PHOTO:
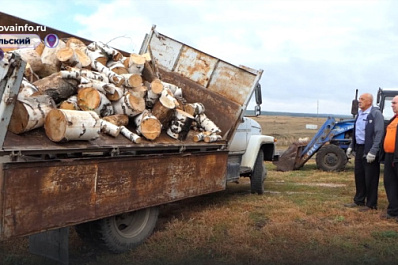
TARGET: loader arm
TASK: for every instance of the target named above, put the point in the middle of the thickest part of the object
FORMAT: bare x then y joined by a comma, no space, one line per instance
331,131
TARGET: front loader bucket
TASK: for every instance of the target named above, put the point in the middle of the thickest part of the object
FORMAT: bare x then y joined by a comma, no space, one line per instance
291,158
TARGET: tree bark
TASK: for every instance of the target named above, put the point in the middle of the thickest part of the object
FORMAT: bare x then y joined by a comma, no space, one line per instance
30,113
207,124
129,105
70,103
194,108
109,128
117,67
163,109
90,99
66,125
130,135
148,125
26,89
51,64
180,125
117,119
57,87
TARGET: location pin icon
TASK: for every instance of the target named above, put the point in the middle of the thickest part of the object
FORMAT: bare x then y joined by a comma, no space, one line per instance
51,40
1,54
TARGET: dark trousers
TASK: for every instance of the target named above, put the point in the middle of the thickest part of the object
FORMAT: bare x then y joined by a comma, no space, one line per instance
366,179
391,184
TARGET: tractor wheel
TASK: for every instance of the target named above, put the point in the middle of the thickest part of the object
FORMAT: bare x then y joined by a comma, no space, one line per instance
331,158
258,175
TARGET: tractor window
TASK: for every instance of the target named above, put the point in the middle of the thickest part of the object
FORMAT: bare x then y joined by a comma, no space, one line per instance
387,110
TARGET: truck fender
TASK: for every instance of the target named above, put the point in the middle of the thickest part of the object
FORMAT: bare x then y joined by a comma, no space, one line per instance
256,144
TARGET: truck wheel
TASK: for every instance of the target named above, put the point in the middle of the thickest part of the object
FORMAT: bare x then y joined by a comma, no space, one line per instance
258,175
331,158
123,232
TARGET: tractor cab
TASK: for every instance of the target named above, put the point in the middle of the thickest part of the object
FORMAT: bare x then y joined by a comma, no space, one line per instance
384,98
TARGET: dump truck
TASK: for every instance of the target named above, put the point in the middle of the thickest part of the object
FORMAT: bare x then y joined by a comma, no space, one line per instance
110,188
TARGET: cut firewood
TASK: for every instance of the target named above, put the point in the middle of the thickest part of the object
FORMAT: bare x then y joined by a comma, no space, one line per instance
163,108
32,57
30,113
129,105
139,91
97,55
67,56
117,119
207,124
57,87
130,135
176,91
117,67
104,48
180,125
112,92
83,58
26,89
78,74
75,44
201,136
70,103
109,128
148,125
136,63
30,75
154,91
65,125
212,138
114,78
49,59
194,108
132,80
90,99
39,48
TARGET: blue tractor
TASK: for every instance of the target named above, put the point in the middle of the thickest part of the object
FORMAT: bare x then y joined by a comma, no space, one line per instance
332,140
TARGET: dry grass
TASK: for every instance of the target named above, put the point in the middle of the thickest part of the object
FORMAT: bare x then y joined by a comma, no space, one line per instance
299,220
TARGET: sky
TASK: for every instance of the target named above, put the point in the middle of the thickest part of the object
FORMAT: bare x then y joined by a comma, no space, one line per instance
314,54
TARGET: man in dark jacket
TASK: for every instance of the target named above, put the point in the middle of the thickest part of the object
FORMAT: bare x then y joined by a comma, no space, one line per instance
366,140
390,153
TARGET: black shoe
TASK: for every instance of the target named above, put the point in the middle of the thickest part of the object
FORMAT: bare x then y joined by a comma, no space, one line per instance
366,208
352,205
385,215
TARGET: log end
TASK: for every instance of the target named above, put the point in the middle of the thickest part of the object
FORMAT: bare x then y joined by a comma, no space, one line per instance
55,125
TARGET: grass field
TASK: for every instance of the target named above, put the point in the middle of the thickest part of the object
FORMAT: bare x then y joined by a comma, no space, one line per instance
299,220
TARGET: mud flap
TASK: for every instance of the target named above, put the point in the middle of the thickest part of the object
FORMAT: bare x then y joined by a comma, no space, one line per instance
51,244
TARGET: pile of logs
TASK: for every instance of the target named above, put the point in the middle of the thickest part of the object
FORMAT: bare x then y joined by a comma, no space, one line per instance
77,92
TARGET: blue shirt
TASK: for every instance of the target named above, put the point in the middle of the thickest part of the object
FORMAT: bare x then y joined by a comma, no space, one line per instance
360,126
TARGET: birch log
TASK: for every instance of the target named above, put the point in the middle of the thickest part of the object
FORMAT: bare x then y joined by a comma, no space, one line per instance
117,67
57,87
90,99
129,105
163,109
117,119
132,80
70,103
112,92
207,124
65,125
201,136
30,113
136,63
148,125
49,59
104,48
180,125
212,138
114,78
109,128
154,91
130,135
194,108
26,89
32,57
67,56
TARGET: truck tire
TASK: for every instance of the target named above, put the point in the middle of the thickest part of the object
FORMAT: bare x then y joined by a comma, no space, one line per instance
331,158
258,175
123,232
